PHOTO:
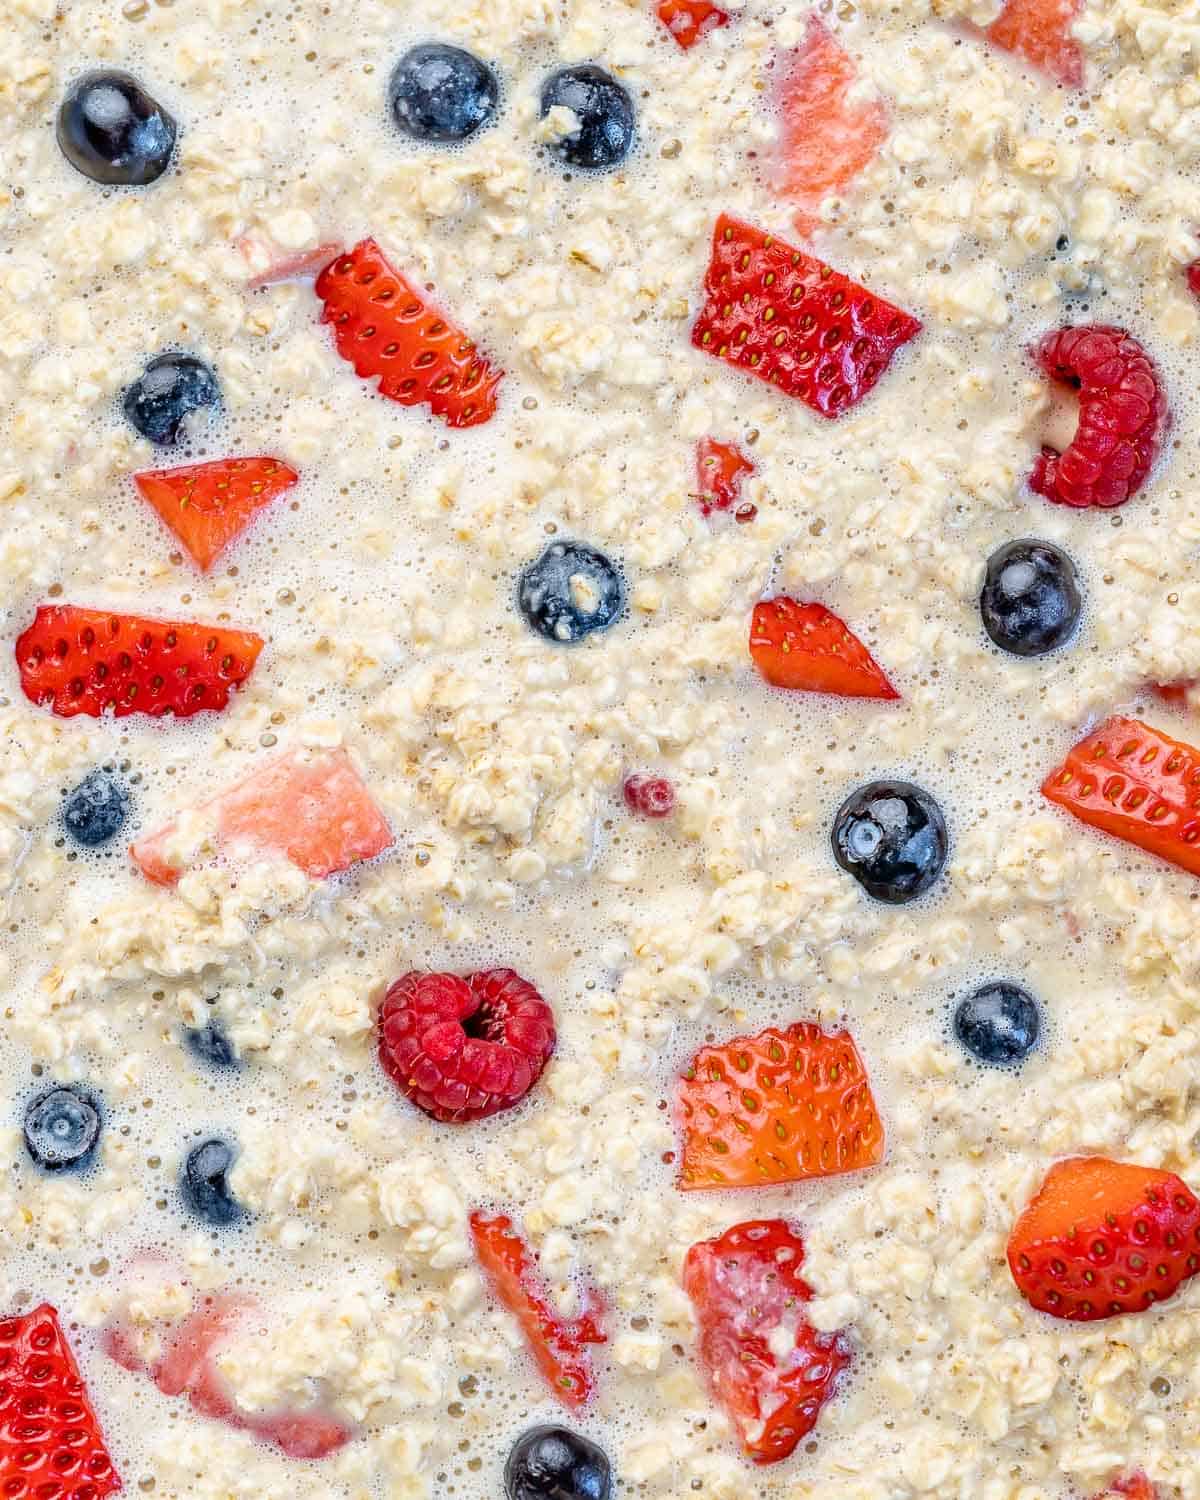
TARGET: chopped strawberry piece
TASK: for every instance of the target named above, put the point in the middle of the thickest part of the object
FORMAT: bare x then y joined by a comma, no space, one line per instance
1123,416
289,267
1040,32
388,331
1101,1238
766,1365
559,1345
208,505
827,136
50,1439
92,661
782,1106
1135,1487
689,20
1138,784
806,647
1193,277
310,807
720,468
789,319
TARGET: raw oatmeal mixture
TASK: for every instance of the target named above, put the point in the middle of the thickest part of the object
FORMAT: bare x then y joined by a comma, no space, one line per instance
240,1004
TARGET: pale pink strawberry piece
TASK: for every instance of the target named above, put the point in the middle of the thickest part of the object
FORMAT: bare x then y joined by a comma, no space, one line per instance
826,137
1040,32
311,807
286,267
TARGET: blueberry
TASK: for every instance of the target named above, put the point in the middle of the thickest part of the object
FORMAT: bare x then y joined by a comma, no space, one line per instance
95,811
891,836
171,387
1031,599
61,1128
204,1183
112,131
570,591
441,93
210,1044
604,111
999,1023
554,1463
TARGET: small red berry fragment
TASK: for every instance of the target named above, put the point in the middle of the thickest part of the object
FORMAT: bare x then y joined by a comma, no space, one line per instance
689,20
463,1048
208,505
805,646
720,468
1101,1238
91,661
50,1439
558,1344
649,796
388,331
1193,277
766,1365
828,134
1122,416
1133,1487
1040,32
789,319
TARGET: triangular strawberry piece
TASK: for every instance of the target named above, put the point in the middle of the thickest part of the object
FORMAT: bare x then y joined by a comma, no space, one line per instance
720,468
208,505
806,647
1040,32
690,20
826,136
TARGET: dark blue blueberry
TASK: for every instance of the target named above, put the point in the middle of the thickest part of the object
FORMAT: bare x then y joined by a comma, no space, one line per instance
1031,600
570,591
61,1128
441,93
204,1183
95,811
999,1023
112,131
210,1044
891,836
604,111
554,1463
171,387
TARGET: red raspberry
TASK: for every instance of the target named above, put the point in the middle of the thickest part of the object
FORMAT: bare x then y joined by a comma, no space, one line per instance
465,1048
1122,417
649,796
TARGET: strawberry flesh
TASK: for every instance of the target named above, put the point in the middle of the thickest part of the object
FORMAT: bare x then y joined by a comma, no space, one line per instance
50,1440
720,468
388,331
559,1345
787,318
1123,417
208,505
827,137
766,1366
1040,32
782,1106
1102,1238
92,661
690,20
1137,783
804,646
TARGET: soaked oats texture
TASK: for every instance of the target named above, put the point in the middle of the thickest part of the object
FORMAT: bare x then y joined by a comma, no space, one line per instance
997,207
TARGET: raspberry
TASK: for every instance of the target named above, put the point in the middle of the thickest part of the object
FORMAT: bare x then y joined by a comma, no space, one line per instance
649,796
1122,417
463,1048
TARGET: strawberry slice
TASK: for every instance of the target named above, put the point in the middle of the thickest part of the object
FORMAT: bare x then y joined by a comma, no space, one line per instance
791,320
827,136
50,1438
1040,32
720,468
766,1365
1134,1487
310,806
208,505
689,20
782,1106
92,661
1193,277
805,646
559,1345
387,330
1101,1238
1138,784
